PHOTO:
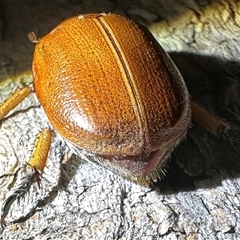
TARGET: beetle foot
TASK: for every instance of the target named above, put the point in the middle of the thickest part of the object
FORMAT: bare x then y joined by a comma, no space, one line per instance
19,192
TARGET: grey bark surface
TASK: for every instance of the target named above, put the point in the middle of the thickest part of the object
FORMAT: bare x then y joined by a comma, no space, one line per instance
199,198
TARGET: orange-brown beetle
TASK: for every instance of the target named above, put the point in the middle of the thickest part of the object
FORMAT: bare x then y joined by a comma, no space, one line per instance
111,91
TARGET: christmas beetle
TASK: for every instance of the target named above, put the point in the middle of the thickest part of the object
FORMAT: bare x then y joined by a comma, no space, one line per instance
111,92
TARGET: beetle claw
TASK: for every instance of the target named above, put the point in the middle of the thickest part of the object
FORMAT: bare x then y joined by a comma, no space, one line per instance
5,208
3,222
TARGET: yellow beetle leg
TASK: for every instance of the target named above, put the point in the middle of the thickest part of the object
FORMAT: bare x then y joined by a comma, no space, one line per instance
40,154
37,164
12,101
208,120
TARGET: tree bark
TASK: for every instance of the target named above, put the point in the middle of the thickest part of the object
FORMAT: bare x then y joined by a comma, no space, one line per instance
199,198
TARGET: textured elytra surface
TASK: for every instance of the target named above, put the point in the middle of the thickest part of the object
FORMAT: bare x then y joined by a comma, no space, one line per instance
200,199
112,91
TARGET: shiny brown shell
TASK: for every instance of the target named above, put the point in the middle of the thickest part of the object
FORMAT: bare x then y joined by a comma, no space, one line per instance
109,88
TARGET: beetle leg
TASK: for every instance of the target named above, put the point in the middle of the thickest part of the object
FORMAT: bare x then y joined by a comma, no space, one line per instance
207,119
12,101
39,157
36,165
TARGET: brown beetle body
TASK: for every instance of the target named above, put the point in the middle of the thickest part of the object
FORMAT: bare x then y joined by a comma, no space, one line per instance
109,89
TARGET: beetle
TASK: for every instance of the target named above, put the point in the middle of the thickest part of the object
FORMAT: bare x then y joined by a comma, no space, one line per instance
111,92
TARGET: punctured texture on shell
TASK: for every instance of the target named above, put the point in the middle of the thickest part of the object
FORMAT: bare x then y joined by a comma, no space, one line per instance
108,87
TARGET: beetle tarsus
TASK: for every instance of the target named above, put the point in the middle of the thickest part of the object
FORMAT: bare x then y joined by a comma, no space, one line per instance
18,193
